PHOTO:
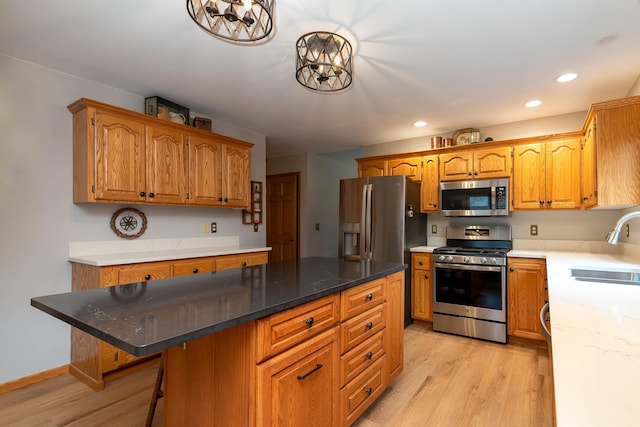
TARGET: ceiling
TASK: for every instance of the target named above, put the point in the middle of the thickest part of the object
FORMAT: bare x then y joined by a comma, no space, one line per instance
453,63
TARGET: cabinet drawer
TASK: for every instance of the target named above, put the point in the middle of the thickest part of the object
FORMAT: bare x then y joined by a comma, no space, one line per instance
356,396
283,330
195,266
362,298
143,273
421,261
363,326
362,356
241,260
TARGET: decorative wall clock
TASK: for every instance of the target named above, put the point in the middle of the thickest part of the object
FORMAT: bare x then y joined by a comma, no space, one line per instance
128,223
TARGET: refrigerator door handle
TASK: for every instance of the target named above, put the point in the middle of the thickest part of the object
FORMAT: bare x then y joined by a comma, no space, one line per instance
369,223
363,223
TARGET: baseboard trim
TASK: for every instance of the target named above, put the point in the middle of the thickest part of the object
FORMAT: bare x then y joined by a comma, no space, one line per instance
33,379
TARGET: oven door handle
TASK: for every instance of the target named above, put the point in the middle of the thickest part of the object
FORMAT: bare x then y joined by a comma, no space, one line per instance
473,267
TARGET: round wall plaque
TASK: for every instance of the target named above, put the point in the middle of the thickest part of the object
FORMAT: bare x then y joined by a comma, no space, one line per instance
128,223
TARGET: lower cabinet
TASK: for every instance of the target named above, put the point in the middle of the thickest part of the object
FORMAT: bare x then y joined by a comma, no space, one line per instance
319,364
421,288
92,359
526,282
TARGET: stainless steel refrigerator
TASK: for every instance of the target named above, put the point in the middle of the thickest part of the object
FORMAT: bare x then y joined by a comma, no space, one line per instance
380,220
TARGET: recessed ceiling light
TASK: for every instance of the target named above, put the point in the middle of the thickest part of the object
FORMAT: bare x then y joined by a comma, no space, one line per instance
533,103
566,77
420,124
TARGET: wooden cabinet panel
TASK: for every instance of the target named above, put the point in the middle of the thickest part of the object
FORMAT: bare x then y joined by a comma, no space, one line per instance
225,262
149,271
236,181
526,296
409,166
299,387
356,396
421,287
361,327
119,158
394,326
362,298
166,165
528,176
477,164
430,184
205,171
376,167
192,266
456,166
360,357
284,330
588,171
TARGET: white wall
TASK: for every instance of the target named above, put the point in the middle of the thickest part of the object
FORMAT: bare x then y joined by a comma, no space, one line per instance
38,218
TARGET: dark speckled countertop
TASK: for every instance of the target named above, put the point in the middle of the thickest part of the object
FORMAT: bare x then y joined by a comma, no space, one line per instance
144,318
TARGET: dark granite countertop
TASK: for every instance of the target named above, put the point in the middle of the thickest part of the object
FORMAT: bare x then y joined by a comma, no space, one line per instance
147,317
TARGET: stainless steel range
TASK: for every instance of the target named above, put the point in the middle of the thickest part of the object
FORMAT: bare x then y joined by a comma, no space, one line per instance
470,282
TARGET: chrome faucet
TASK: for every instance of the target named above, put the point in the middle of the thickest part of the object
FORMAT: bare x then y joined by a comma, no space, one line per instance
612,236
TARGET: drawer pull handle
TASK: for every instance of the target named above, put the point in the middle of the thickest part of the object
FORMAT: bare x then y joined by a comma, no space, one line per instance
301,377
244,263
309,321
370,325
420,263
369,297
195,271
368,390
147,277
369,355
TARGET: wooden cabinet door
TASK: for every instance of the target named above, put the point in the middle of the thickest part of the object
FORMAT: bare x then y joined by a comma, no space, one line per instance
120,158
528,187
492,163
562,171
589,185
430,185
456,166
166,165
300,387
367,168
205,171
236,172
421,289
526,292
394,341
409,166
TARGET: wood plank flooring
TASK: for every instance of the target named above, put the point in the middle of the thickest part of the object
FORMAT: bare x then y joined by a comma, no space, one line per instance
447,381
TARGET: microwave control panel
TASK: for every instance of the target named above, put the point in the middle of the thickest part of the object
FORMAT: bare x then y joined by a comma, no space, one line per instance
501,197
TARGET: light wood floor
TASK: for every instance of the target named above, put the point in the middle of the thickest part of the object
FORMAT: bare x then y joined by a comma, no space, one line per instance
447,381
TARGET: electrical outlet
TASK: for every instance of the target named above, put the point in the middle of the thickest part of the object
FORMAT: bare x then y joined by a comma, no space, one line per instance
434,229
317,226
533,229
255,228
214,227
627,230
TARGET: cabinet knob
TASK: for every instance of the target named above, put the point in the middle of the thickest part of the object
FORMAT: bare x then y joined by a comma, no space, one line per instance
512,269
195,270
469,173
309,321
475,172
370,325
151,194
142,194
147,276
369,390
549,202
542,202
420,263
244,263
369,355
584,199
226,199
435,205
369,297
219,199
426,276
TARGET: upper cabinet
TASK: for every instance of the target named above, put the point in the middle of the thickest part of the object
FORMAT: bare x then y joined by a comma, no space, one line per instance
430,185
120,156
391,166
547,175
611,154
485,163
372,167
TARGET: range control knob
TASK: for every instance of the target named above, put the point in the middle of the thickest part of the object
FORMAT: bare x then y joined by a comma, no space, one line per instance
484,260
450,258
467,259
494,261
441,258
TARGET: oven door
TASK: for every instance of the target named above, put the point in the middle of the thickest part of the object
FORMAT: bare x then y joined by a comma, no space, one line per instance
476,291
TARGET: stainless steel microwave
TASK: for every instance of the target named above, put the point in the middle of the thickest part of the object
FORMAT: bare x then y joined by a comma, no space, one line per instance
475,198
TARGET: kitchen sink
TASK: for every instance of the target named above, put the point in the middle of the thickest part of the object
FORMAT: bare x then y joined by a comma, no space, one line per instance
623,277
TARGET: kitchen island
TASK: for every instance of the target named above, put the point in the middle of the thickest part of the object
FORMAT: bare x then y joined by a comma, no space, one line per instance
318,338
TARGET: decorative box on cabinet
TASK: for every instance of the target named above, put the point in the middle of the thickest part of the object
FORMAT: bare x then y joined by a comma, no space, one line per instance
120,156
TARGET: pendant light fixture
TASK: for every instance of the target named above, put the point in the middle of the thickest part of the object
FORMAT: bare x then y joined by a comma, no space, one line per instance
234,20
324,61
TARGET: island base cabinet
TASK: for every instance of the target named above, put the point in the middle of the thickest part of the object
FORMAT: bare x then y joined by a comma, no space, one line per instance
210,381
299,387
362,391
